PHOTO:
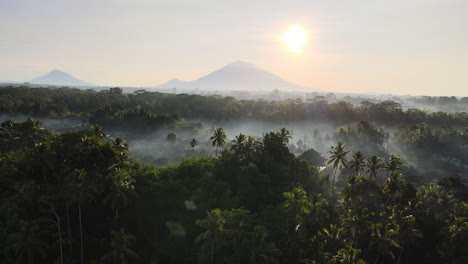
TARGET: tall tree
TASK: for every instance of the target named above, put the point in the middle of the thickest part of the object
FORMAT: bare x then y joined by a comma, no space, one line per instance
122,252
297,205
372,166
56,221
354,189
27,243
119,190
382,240
262,251
213,225
393,164
237,227
238,145
357,162
404,224
337,158
285,135
81,194
193,143
218,138
251,147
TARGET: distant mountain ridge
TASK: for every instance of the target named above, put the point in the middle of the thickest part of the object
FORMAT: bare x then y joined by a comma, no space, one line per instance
238,75
57,77
174,83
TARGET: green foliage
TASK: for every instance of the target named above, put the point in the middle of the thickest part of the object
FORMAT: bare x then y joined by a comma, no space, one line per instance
121,245
338,158
349,255
218,139
79,197
357,162
367,136
296,205
60,102
138,119
372,166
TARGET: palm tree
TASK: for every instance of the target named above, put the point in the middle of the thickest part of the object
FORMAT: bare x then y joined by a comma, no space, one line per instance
372,166
251,146
193,143
237,225
404,224
81,194
218,138
261,251
393,164
357,162
319,210
394,187
297,204
354,189
119,191
337,158
285,135
356,219
56,221
121,245
213,223
238,145
27,242
382,240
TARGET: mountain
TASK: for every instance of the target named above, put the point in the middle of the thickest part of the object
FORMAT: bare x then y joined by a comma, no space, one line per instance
57,77
174,83
238,75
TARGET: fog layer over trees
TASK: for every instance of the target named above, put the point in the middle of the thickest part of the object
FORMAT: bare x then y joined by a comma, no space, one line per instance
432,143
147,177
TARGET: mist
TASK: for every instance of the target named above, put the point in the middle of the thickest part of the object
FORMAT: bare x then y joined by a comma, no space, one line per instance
154,148
315,121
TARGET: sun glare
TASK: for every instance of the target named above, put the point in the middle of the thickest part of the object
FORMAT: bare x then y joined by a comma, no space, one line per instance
295,38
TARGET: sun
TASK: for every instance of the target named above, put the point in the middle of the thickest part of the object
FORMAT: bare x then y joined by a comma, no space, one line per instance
295,38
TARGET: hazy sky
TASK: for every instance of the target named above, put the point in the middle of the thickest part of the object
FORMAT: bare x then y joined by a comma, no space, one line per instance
388,46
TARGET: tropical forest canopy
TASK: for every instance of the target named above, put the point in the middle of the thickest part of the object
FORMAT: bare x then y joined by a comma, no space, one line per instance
109,177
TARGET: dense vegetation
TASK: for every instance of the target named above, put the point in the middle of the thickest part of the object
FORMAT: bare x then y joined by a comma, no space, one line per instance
77,197
432,144
392,188
61,102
